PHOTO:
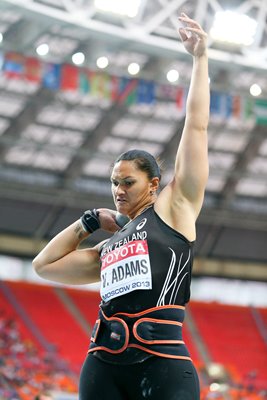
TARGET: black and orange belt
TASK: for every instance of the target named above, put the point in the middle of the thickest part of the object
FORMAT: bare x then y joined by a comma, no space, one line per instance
157,331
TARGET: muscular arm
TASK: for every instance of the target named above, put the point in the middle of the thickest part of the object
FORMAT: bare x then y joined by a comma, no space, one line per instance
62,261
180,201
191,164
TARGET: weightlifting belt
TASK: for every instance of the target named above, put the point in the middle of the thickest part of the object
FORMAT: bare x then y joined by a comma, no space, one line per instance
157,331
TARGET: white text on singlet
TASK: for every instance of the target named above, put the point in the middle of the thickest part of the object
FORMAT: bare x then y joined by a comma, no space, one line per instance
125,269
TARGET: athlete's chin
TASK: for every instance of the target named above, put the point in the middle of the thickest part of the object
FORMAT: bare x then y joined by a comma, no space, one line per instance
122,207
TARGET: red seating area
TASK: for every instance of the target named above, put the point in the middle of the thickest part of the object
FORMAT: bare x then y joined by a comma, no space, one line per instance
87,302
263,314
55,322
27,369
8,312
233,339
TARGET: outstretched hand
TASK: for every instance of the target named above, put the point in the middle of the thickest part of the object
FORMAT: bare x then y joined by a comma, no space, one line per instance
193,36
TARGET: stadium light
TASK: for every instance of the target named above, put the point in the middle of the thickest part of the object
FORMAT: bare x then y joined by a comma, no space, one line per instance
120,7
133,68
102,62
172,75
255,90
234,28
78,58
42,49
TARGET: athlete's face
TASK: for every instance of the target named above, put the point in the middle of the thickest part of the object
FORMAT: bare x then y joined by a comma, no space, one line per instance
131,188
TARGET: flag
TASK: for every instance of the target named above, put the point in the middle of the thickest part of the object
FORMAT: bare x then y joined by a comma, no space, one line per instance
180,98
51,76
260,110
102,87
236,106
233,106
114,85
248,108
216,102
14,65
145,92
69,77
95,84
33,70
107,86
84,81
166,91
127,91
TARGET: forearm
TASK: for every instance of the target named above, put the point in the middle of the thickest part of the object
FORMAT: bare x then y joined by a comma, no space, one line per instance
62,244
191,165
198,99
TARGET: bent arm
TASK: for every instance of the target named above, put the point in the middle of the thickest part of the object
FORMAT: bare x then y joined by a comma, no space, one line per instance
61,260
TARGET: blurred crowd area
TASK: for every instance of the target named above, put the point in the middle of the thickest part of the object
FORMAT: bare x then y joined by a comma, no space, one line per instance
26,371
237,393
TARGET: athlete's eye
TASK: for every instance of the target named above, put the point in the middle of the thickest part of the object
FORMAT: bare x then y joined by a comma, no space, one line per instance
128,183
123,183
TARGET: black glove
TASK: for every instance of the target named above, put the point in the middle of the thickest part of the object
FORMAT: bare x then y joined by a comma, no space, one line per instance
90,221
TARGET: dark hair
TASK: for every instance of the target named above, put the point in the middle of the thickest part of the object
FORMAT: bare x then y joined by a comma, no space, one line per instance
144,161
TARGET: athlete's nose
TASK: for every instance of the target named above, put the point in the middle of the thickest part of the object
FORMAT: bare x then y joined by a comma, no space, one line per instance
120,189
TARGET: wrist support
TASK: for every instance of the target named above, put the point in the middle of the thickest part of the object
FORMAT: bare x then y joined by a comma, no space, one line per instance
90,221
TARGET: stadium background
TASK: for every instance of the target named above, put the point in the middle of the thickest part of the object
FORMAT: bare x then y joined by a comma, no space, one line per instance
61,126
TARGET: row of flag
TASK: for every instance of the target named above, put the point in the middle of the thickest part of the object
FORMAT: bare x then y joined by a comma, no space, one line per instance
69,77
123,89
238,107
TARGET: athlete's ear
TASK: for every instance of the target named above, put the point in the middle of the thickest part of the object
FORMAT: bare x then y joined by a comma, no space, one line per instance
154,184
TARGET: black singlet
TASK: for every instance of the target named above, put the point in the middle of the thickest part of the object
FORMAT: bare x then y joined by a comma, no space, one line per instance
146,264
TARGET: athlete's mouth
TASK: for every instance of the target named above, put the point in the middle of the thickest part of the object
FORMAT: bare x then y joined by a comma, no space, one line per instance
120,200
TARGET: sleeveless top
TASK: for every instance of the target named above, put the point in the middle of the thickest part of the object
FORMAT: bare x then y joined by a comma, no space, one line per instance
146,264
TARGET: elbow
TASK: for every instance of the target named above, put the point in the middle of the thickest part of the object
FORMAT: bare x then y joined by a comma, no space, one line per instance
38,267
203,122
197,122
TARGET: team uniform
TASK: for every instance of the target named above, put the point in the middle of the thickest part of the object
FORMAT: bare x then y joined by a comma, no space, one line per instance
145,283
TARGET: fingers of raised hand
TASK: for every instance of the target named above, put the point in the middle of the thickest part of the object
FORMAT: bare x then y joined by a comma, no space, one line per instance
183,34
184,18
190,24
198,31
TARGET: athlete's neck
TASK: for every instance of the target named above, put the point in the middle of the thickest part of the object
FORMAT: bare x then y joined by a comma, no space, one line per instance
141,210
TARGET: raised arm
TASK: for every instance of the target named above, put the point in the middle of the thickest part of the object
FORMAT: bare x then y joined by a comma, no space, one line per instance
180,201
191,164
